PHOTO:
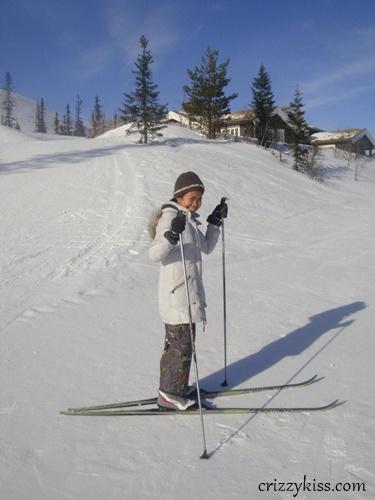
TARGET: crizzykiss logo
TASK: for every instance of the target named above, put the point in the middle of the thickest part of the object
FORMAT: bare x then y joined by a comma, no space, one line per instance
309,485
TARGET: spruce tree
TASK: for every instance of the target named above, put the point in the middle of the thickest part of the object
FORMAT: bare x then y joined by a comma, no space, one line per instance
57,127
141,108
79,128
37,117
206,102
66,127
263,103
296,115
9,102
40,123
43,127
97,118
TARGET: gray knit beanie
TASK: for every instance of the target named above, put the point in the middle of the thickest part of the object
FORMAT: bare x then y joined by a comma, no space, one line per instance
186,182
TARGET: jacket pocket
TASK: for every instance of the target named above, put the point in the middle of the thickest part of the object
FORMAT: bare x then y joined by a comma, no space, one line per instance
179,285
177,296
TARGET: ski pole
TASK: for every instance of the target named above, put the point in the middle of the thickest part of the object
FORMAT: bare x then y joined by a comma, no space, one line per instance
194,353
225,382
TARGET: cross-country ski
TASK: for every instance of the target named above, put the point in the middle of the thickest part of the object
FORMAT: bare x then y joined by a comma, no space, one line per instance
205,410
204,394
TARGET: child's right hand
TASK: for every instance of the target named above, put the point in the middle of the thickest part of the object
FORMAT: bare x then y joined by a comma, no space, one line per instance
177,227
178,224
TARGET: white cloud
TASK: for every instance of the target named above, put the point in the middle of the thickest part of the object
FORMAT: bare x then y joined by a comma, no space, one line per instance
338,95
93,61
127,21
362,67
350,80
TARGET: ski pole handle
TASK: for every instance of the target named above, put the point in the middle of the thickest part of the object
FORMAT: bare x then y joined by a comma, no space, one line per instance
223,207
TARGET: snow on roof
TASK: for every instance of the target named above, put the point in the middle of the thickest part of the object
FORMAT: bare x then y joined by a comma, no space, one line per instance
178,116
344,135
282,111
236,117
243,113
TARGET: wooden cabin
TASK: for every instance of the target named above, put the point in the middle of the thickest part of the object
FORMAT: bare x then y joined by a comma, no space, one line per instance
354,140
243,124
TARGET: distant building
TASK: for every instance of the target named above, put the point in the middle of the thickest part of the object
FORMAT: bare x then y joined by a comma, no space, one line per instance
283,129
179,117
240,124
243,124
355,140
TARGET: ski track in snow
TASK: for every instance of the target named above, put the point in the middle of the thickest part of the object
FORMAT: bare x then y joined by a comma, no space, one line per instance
115,182
79,321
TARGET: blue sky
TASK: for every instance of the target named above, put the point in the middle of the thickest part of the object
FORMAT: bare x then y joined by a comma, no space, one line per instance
56,49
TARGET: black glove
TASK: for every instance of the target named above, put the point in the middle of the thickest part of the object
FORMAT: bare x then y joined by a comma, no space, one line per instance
177,227
220,212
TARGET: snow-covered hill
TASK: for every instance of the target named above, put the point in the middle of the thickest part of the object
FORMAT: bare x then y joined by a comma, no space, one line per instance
79,321
25,112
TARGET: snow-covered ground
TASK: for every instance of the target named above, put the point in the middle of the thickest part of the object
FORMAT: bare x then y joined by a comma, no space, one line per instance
79,321
25,112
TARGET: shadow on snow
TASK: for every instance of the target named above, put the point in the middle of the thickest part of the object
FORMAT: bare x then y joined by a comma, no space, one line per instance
72,157
292,344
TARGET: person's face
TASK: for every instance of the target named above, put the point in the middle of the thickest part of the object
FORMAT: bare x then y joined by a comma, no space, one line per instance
192,200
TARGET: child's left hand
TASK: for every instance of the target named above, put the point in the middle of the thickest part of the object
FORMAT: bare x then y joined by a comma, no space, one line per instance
220,212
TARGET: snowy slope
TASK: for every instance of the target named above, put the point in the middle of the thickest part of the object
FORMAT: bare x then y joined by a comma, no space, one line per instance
25,110
79,321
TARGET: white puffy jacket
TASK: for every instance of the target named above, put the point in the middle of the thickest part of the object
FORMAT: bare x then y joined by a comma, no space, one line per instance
172,295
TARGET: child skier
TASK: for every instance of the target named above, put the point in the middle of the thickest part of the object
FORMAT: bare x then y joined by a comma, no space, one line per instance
176,217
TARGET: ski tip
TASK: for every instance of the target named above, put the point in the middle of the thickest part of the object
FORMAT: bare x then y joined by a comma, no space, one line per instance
314,379
336,403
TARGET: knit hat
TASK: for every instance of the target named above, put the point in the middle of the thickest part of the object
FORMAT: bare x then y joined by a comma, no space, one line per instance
186,182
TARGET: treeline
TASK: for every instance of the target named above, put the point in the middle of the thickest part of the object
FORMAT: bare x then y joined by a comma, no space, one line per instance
206,104
66,124
8,104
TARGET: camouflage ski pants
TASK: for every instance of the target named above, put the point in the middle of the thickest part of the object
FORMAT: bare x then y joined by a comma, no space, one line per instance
176,359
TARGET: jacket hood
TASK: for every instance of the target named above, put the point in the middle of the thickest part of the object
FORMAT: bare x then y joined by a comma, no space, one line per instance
156,214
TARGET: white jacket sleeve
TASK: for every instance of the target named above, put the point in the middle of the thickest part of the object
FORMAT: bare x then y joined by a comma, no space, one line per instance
161,247
208,241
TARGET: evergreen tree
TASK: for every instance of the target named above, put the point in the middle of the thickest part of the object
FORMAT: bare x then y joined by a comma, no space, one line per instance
79,128
63,126
43,127
9,102
263,104
57,126
37,117
296,115
40,123
141,107
66,127
206,102
97,118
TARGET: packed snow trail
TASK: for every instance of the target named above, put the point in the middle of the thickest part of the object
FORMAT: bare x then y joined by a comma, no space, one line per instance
79,319
92,189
